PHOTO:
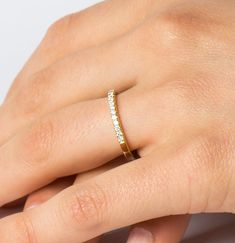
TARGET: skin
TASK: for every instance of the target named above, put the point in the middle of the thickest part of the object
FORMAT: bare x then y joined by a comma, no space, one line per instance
174,60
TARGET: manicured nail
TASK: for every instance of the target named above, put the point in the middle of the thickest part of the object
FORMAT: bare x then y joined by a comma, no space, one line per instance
140,235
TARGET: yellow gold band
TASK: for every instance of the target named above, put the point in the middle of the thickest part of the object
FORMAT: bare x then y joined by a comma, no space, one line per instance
112,101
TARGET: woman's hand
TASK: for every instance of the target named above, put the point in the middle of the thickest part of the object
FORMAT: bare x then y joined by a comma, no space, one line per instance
48,53
173,63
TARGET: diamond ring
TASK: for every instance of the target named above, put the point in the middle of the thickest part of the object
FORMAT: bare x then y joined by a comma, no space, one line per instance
112,101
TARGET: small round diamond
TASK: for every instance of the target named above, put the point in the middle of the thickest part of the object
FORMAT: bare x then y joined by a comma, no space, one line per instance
114,117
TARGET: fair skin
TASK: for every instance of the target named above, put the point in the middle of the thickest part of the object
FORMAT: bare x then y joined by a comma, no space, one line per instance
172,63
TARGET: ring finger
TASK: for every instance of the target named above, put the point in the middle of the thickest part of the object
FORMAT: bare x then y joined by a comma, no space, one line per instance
65,143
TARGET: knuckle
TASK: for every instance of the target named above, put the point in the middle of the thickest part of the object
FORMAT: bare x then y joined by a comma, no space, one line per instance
185,23
179,21
33,96
87,207
37,143
57,30
28,230
23,230
177,29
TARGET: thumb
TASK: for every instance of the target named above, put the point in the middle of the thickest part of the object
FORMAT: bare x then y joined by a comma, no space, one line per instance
163,230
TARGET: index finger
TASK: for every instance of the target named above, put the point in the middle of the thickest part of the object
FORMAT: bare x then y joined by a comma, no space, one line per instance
135,192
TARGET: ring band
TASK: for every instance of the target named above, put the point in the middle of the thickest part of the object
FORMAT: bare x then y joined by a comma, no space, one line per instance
112,101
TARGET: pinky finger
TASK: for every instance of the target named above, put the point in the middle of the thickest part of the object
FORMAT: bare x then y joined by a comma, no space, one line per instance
163,230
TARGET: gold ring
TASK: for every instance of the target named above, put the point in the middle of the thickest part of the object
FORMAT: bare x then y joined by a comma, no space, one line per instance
112,101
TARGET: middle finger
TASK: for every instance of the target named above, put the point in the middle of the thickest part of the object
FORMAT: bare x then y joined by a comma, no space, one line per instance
90,27
82,76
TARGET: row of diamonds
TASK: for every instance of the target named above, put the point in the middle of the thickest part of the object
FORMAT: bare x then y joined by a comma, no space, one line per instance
113,111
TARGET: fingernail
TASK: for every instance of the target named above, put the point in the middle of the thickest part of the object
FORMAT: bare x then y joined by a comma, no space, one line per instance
140,235
31,207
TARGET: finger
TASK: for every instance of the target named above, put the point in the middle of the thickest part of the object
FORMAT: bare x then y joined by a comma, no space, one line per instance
163,230
36,156
100,170
90,27
86,72
44,194
151,187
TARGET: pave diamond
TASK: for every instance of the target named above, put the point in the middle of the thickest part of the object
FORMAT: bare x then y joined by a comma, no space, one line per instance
112,102
117,129
115,122
115,118
113,112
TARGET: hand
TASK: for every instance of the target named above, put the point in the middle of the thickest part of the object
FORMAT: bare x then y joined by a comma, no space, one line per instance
147,63
41,59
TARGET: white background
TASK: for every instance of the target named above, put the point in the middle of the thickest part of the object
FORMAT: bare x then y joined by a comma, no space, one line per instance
22,25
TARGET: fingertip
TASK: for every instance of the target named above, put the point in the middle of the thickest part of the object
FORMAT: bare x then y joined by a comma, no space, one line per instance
44,194
36,199
31,206
163,230
140,235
